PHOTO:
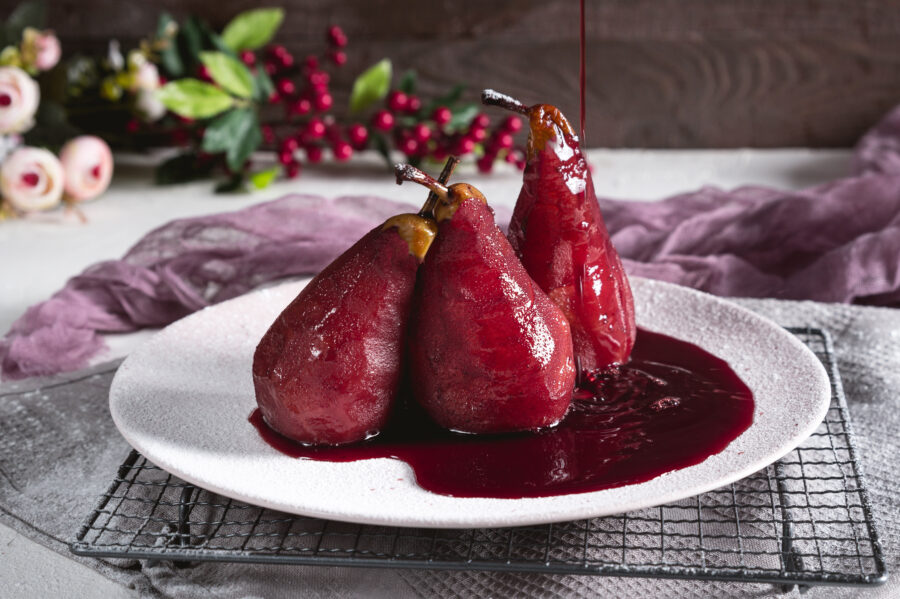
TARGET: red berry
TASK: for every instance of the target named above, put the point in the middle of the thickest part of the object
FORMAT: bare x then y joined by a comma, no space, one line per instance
270,67
132,126
248,58
512,157
289,145
277,50
439,153
477,134
285,157
465,145
311,63
203,73
383,120
503,141
323,101
301,107
180,137
409,146
441,115
286,60
315,129
339,57
274,98
397,101
481,121
342,151
520,164
336,36
31,179
512,124
319,78
313,154
485,163
292,169
422,132
414,104
286,87
358,135
268,134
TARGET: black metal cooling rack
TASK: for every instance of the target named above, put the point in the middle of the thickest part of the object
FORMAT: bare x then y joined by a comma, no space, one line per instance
804,520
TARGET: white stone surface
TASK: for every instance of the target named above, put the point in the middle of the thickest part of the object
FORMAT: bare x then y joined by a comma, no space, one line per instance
38,254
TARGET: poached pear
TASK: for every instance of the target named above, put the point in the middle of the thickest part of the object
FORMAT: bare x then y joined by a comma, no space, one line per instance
558,233
489,352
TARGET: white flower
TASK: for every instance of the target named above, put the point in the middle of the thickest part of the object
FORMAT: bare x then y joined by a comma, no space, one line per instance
31,179
148,106
114,56
88,166
19,99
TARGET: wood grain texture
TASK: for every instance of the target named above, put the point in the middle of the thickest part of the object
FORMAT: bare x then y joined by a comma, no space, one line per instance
661,73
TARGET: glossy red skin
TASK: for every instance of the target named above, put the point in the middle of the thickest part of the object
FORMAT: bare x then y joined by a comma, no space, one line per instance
328,369
558,233
489,351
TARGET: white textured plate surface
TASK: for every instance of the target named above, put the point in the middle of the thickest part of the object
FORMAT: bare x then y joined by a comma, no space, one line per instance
183,399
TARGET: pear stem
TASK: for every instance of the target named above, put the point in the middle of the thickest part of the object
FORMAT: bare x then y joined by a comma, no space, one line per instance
406,172
427,210
495,98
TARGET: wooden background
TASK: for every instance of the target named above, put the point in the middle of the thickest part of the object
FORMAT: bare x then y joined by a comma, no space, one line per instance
662,73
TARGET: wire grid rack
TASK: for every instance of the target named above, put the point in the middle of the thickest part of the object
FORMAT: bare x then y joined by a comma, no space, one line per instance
804,520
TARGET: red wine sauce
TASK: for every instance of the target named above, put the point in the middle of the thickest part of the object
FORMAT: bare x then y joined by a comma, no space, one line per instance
671,406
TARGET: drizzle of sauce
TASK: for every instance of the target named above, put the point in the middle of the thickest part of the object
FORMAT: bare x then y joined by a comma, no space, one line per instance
582,72
671,406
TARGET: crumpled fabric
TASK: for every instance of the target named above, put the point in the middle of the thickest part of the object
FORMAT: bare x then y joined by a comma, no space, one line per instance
836,242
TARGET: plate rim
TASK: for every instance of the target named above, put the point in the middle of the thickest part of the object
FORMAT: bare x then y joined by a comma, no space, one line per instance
588,509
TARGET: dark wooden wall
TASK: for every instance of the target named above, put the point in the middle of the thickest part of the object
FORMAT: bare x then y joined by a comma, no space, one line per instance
662,73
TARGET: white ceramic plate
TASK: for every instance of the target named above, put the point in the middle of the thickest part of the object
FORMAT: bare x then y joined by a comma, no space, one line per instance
183,399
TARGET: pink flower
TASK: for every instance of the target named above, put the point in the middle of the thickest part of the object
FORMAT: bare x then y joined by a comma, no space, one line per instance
19,99
88,166
31,179
40,49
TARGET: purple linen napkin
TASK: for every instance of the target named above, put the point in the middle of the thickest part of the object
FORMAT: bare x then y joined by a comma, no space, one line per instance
837,242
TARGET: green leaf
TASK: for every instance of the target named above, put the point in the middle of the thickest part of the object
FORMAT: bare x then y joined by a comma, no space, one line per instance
381,146
252,29
236,133
263,179
262,85
449,99
234,184
462,116
182,168
408,82
190,43
194,99
371,86
169,57
27,14
229,73
214,40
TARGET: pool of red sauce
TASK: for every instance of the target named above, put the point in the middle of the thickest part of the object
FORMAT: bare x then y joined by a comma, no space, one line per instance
671,406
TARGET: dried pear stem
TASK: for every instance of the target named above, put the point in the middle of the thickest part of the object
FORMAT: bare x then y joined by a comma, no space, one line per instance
427,210
406,172
495,98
